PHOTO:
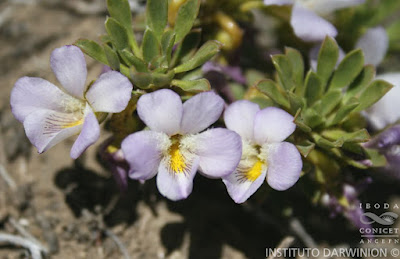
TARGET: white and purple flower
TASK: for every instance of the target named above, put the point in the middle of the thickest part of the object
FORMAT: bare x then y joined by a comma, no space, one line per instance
265,153
173,149
51,114
306,19
386,111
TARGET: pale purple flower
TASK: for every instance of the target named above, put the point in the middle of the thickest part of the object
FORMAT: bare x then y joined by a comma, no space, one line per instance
51,114
306,19
173,150
374,43
265,153
387,110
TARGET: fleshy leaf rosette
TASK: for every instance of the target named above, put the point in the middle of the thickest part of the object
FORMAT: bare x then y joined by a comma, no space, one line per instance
51,114
173,149
168,50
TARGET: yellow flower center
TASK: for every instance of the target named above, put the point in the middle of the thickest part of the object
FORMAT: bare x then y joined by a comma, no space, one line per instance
177,160
72,124
255,171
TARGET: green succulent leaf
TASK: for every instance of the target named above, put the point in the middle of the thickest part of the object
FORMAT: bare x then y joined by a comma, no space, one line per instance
325,143
344,111
92,49
185,19
313,88
105,39
328,102
296,102
377,159
312,118
305,147
157,16
112,57
373,93
167,44
193,86
359,136
284,68
362,81
354,150
348,69
271,89
120,11
150,46
204,54
327,59
298,120
132,60
262,101
118,33
297,64
187,48
149,80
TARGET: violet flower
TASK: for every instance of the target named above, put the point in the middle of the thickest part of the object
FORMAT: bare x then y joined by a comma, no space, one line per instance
306,19
173,150
351,210
388,144
115,160
265,154
218,76
51,114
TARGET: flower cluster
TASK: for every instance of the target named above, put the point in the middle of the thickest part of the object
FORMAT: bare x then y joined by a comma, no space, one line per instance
185,100
177,143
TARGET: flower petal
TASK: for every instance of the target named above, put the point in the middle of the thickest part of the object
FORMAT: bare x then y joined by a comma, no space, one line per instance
31,94
46,128
219,151
110,93
239,117
308,26
176,186
161,111
239,189
278,2
284,165
374,43
387,110
273,125
89,135
69,66
329,6
143,152
201,111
